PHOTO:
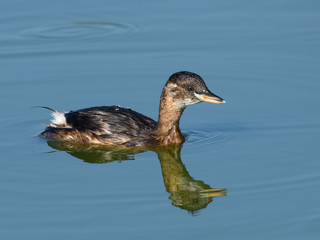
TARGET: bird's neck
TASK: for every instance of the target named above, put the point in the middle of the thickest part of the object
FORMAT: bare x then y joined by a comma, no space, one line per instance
168,131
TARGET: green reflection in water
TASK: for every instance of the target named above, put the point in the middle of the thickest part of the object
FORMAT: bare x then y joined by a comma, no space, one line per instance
186,192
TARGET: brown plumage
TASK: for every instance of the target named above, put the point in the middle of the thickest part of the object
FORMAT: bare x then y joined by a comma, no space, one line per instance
114,125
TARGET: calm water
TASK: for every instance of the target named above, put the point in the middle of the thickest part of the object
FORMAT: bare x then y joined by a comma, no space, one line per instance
262,146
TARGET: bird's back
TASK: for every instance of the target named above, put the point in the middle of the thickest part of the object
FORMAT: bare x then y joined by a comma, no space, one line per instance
106,124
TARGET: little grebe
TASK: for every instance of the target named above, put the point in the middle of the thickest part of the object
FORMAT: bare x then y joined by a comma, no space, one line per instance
123,126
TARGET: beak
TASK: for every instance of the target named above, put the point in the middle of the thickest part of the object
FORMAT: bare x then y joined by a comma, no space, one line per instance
209,97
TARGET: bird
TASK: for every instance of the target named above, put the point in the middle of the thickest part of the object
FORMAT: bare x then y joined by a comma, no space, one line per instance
119,126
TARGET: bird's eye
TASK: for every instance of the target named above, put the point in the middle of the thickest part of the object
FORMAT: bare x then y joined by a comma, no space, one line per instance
190,88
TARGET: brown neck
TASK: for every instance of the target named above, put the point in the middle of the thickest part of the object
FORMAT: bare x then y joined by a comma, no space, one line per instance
168,131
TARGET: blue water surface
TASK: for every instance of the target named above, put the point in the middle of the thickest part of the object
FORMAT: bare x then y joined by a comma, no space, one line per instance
262,146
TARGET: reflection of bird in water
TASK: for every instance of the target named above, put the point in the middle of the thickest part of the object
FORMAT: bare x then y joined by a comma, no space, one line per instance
95,153
186,192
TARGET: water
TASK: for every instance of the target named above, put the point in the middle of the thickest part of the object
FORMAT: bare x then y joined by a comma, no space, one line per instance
262,146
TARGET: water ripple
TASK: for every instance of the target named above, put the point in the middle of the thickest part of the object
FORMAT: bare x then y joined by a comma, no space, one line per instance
196,137
80,31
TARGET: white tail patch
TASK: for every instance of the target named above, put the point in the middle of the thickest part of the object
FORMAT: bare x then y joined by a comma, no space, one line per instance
58,119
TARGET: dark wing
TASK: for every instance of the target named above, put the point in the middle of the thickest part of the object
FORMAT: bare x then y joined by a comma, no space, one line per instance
111,121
